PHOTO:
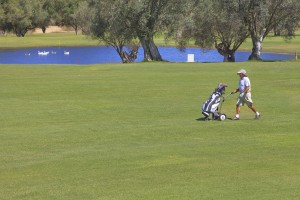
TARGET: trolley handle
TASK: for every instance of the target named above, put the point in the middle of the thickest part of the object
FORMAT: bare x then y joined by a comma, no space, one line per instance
226,96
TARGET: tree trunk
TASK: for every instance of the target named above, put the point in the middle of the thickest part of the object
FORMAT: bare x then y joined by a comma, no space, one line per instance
256,50
20,32
230,57
76,29
257,46
151,52
129,57
226,52
44,29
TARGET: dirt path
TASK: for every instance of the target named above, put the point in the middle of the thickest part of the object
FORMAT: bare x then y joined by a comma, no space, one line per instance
53,29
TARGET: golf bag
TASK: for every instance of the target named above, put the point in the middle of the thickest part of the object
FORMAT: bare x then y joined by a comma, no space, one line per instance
210,106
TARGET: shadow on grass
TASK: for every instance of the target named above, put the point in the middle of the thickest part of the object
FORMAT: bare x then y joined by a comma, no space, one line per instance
204,119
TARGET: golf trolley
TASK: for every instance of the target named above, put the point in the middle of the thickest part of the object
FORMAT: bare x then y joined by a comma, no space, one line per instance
214,104
218,115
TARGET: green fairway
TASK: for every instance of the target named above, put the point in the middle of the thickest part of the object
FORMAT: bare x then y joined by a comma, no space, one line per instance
130,131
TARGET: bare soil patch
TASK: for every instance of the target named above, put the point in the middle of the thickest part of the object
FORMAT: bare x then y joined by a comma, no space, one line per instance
54,29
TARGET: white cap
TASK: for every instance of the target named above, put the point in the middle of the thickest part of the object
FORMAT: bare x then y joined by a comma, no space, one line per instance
242,71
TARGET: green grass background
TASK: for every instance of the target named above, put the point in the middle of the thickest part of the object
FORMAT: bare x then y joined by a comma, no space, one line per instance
116,131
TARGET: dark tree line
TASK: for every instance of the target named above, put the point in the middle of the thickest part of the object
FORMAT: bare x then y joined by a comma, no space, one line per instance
20,16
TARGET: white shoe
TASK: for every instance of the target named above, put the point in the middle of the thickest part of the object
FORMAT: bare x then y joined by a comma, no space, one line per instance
257,116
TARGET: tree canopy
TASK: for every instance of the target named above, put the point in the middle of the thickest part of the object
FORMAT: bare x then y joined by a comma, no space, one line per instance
216,24
111,25
263,16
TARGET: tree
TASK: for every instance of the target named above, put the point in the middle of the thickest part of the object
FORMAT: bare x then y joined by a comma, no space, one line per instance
140,19
112,27
19,15
84,17
40,16
263,16
2,17
54,10
63,12
148,17
5,26
221,24
216,24
287,27
22,16
69,14
143,18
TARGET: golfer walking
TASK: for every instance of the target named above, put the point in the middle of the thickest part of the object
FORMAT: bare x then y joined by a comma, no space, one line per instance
245,95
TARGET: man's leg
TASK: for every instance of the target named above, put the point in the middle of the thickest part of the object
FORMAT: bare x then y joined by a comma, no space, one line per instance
237,112
252,108
257,114
249,102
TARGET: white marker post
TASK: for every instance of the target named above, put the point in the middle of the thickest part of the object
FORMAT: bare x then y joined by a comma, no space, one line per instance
190,58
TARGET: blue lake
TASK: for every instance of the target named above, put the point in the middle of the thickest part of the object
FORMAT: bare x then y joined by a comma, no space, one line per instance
103,54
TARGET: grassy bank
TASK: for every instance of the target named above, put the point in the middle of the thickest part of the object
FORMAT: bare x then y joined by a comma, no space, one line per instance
46,40
271,44
117,131
276,44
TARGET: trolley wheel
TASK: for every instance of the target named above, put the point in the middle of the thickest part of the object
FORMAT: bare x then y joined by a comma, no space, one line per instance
222,117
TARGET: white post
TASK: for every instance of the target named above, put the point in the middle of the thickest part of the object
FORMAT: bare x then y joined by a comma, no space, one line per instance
190,58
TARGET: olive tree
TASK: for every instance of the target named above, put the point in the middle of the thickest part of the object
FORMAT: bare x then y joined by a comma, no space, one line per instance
54,10
2,18
69,13
107,21
120,22
149,17
143,18
40,16
84,17
5,22
263,16
20,16
217,24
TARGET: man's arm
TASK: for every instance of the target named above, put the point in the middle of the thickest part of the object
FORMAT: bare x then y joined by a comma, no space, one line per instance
246,89
235,91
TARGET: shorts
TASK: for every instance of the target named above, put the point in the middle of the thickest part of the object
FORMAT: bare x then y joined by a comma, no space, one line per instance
246,99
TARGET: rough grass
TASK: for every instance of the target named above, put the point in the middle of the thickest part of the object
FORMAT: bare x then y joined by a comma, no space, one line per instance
46,40
119,131
276,44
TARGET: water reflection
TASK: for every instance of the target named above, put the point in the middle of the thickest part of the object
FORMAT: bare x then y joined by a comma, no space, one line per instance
103,54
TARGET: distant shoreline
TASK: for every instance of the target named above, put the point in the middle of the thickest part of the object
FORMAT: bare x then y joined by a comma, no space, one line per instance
56,36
